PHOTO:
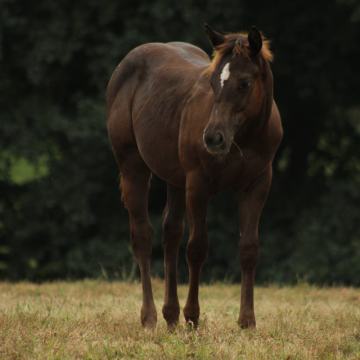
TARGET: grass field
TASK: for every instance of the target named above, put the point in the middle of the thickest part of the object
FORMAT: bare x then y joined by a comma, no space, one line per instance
100,320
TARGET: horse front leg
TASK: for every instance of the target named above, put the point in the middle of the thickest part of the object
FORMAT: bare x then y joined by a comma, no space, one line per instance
197,247
250,207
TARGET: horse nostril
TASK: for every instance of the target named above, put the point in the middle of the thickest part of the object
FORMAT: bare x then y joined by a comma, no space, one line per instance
214,140
218,138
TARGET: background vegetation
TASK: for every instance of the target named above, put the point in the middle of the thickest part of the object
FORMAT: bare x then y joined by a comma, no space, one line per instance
60,214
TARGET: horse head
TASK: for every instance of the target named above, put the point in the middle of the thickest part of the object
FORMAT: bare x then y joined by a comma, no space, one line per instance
239,78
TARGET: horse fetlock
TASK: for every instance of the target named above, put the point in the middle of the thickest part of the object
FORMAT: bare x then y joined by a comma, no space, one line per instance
247,321
171,313
192,314
148,316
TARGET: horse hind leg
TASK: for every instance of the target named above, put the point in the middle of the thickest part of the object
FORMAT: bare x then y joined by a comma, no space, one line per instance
173,228
135,183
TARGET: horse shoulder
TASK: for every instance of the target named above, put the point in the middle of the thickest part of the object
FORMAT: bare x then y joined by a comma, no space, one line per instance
193,121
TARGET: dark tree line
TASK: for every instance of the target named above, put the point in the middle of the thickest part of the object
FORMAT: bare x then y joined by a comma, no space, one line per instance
60,211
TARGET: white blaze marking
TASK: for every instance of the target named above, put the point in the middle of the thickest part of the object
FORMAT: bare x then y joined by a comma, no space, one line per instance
225,74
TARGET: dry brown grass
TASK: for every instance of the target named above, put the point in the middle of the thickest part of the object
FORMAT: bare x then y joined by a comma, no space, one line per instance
100,320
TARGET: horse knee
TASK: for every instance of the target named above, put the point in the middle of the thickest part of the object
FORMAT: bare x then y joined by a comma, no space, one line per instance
196,251
249,253
173,228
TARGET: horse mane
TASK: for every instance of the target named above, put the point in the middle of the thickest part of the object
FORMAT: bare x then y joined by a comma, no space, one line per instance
237,43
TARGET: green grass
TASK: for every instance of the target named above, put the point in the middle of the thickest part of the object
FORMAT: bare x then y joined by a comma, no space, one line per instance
100,320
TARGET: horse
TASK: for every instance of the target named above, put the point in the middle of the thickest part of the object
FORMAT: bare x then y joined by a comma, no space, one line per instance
202,125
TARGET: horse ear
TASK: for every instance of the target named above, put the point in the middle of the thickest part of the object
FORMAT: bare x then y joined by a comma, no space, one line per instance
255,41
215,37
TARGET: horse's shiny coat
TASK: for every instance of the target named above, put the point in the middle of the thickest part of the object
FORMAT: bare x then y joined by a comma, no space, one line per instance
202,129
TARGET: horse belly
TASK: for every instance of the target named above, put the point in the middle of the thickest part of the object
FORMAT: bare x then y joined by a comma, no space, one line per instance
156,132
157,106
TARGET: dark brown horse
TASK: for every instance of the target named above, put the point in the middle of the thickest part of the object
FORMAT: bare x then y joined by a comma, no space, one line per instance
202,126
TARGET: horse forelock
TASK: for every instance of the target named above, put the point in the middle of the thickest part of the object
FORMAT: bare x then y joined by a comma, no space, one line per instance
237,43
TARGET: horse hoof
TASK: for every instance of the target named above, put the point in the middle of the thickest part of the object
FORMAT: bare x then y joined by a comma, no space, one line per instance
149,322
192,317
148,318
247,323
171,315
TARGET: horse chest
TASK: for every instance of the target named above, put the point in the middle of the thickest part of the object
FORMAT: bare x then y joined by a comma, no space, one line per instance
235,171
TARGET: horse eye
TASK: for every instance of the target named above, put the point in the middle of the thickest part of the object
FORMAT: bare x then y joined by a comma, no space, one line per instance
244,84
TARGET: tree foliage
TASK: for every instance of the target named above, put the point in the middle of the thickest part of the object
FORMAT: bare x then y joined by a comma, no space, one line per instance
60,211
